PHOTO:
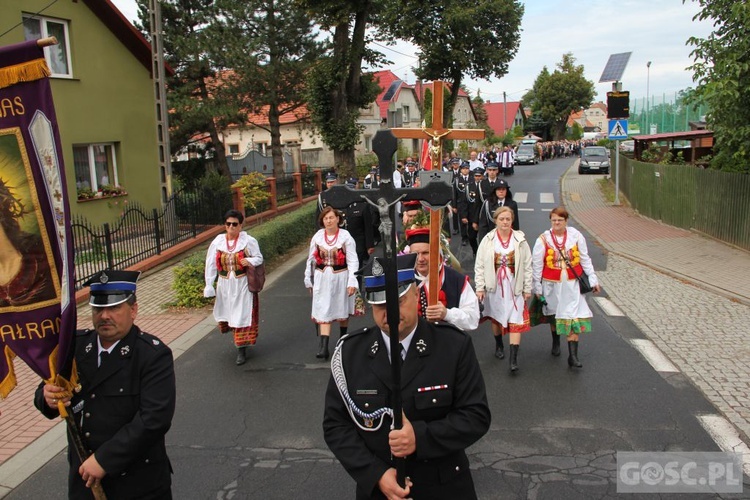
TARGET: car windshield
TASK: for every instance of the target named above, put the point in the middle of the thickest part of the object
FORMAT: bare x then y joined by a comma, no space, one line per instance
595,152
525,150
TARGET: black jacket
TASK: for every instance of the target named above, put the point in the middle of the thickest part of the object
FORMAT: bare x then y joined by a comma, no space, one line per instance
486,224
448,415
124,410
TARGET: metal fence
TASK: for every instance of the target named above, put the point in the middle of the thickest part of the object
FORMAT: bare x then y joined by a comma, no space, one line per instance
663,113
140,233
711,201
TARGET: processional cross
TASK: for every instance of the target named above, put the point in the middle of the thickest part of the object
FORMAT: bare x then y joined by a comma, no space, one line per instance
384,198
435,135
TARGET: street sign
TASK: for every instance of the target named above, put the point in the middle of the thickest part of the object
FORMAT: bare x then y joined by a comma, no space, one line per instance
618,104
618,129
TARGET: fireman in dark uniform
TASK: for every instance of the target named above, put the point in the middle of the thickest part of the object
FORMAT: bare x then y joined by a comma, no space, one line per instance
358,221
442,388
460,186
474,199
331,180
126,400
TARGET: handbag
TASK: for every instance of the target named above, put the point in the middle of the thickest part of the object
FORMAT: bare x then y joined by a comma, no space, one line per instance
584,285
256,277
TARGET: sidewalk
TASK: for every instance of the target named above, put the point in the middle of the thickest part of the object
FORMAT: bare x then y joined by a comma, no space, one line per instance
704,334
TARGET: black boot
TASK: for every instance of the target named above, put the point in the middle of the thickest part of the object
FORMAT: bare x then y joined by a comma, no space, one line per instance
342,331
555,344
514,357
573,354
241,358
499,350
323,347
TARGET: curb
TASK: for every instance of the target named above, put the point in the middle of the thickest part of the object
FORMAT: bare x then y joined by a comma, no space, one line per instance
733,296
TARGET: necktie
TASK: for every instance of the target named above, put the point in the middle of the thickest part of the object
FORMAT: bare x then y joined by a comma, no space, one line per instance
403,353
103,358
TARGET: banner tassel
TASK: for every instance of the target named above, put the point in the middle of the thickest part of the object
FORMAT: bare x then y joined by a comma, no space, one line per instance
29,71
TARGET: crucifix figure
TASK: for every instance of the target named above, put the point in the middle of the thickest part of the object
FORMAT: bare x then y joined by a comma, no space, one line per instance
435,135
434,194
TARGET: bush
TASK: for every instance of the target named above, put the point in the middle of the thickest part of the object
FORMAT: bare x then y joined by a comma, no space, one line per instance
189,282
254,189
275,238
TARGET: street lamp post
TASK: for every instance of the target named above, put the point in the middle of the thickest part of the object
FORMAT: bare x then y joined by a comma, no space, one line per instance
648,78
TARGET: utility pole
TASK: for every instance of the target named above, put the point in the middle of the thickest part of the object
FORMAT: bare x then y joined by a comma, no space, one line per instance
160,97
648,78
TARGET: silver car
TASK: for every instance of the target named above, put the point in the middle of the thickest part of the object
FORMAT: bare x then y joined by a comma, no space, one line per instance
594,159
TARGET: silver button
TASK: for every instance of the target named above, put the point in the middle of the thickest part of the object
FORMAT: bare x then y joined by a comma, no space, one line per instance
121,389
434,400
88,415
93,396
88,434
458,468
367,405
147,461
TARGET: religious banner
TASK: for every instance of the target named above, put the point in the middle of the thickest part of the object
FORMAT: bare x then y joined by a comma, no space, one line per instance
425,160
37,288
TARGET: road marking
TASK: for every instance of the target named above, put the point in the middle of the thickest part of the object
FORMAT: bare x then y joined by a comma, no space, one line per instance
726,436
525,209
654,356
546,198
608,307
520,197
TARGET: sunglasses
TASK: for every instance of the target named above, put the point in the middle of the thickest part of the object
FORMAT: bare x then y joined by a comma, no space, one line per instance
232,224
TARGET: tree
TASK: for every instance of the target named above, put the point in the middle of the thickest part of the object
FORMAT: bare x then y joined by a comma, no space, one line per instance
270,46
481,113
721,71
193,98
477,39
336,87
555,96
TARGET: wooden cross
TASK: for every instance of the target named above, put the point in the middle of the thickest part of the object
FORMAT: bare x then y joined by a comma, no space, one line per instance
435,135
384,198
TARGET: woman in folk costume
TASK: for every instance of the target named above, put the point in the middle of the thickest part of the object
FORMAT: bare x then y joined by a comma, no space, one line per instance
330,276
236,308
555,252
502,272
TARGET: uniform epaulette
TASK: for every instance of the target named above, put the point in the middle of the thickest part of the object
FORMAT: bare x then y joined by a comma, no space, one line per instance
81,333
151,340
357,332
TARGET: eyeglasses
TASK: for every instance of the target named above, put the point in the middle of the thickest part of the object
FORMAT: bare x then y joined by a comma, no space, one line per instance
232,224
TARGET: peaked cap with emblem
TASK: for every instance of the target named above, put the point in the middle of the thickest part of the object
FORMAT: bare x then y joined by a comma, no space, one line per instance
374,277
110,288
331,177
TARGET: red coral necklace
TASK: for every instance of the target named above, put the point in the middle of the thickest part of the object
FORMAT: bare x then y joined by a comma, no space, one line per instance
231,247
504,244
331,242
556,243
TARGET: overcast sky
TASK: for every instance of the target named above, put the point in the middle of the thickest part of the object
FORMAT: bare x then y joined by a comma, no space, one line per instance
592,30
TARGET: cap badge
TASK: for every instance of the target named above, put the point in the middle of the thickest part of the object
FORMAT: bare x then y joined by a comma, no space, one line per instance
374,348
124,350
156,342
421,346
103,278
377,269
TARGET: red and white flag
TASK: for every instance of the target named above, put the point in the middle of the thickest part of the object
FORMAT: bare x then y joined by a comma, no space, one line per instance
424,159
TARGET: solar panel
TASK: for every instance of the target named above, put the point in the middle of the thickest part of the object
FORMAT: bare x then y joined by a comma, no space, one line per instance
615,67
391,90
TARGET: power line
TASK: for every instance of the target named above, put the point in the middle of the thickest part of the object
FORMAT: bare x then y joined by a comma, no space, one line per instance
53,2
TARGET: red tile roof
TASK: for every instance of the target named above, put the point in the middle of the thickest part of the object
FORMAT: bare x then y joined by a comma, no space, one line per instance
497,112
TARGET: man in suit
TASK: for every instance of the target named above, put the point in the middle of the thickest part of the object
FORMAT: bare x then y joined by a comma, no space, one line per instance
475,200
460,186
444,402
126,400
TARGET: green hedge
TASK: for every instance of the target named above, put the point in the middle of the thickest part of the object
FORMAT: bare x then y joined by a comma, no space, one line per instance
275,238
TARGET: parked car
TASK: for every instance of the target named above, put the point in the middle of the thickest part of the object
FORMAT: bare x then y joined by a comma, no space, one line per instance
527,154
594,159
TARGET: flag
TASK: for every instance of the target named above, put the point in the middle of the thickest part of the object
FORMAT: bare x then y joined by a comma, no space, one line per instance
37,290
424,159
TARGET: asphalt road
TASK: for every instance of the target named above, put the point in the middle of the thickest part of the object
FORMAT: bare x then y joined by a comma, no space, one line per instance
254,432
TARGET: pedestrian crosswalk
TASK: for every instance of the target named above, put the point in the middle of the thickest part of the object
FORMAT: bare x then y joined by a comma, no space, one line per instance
522,198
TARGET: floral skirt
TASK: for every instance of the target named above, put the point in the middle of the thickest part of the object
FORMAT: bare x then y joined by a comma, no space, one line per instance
246,335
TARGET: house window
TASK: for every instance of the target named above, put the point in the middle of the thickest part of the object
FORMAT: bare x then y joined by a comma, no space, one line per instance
234,149
405,113
57,56
368,143
95,166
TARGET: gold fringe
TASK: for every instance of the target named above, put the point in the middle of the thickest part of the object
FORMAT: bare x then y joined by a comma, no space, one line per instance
9,382
24,72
